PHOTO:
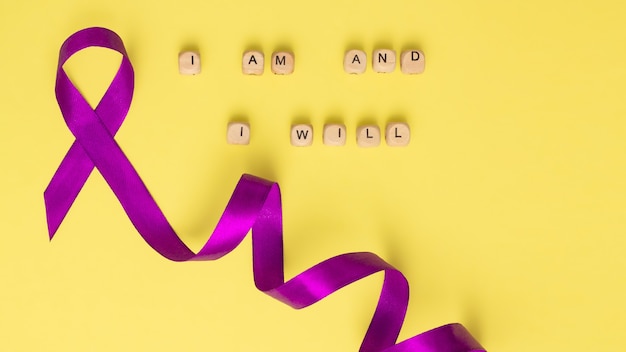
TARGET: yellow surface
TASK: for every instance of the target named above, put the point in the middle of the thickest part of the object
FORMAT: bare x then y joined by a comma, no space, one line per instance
507,211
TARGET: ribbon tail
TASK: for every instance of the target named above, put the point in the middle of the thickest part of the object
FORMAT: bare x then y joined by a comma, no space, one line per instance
65,186
447,338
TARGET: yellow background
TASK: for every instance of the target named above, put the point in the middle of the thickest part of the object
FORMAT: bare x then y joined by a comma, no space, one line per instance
506,212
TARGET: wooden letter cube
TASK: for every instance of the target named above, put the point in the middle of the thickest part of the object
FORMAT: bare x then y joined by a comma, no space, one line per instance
355,61
253,63
238,133
397,134
189,63
335,134
412,62
282,63
301,135
368,136
384,60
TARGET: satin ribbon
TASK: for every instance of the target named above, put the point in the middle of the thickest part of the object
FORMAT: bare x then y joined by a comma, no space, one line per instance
255,204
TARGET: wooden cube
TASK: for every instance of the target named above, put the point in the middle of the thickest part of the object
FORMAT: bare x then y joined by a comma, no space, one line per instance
368,136
238,133
335,134
253,63
301,135
412,62
384,60
282,63
355,61
189,63
397,134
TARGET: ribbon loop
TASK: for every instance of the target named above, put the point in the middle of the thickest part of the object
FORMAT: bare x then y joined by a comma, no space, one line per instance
255,204
111,111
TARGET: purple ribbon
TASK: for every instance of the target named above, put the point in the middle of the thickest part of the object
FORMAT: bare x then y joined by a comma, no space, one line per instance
255,204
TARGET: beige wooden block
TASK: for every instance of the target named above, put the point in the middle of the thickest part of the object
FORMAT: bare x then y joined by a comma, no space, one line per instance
335,134
355,61
283,63
253,63
384,60
368,136
238,133
397,134
301,135
189,63
412,62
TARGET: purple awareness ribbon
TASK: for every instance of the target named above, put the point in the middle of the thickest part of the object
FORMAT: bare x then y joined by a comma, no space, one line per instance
255,204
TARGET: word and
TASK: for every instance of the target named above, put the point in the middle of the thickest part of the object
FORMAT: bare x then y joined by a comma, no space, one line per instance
384,61
397,134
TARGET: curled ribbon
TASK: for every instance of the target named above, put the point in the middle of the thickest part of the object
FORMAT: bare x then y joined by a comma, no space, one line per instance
255,204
